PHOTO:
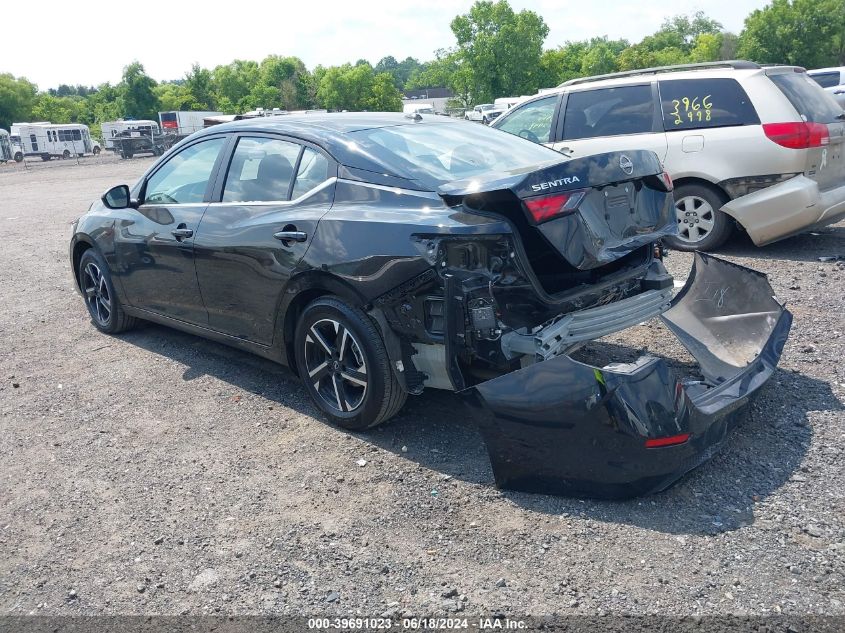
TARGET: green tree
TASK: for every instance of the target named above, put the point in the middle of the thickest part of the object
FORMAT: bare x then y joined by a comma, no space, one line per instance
357,88
501,49
198,85
233,84
808,33
17,96
138,93
401,72
173,96
57,109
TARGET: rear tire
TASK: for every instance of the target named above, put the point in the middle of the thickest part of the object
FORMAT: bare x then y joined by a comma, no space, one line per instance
18,157
343,362
104,307
96,151
65,155
701,225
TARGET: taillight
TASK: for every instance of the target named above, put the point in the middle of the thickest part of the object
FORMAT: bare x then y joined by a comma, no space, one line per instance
672,440
544,208
798,135
666,179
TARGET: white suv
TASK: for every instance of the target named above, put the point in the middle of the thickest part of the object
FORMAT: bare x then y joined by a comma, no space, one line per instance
763,147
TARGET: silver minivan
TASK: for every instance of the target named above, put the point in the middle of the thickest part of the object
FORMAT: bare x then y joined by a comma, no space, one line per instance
758,147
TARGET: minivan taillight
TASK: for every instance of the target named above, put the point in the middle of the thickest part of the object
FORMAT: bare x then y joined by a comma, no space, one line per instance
544,208
798,135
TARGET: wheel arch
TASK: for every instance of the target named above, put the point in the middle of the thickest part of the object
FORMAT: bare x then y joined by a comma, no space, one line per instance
694,180
81,244
302,290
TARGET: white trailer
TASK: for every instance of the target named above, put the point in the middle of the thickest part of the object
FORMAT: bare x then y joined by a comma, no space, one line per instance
184,122
49,140
5,147
114,128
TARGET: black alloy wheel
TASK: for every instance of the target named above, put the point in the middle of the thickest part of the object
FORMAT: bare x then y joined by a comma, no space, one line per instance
100,298
343,362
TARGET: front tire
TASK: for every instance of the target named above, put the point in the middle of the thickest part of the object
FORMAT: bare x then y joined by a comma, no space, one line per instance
18,157
96,151
343,362
65,155
100,298
701,225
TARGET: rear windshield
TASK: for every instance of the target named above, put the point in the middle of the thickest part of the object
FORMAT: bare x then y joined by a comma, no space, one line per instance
806,96
435,154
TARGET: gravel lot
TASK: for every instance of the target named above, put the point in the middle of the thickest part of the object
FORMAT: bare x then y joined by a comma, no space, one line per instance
159,473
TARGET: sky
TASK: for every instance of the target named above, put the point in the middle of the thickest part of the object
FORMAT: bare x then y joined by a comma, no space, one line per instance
97,38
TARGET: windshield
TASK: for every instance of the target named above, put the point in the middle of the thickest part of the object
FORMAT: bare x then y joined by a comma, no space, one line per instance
436,154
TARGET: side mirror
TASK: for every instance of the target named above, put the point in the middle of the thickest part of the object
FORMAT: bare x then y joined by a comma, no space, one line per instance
118,198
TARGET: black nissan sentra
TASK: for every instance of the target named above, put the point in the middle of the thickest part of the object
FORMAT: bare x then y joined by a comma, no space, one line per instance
379,254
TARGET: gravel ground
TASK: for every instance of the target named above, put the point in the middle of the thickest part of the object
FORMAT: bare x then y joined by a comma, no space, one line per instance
159,473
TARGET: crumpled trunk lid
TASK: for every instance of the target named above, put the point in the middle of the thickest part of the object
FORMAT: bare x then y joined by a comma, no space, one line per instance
624,206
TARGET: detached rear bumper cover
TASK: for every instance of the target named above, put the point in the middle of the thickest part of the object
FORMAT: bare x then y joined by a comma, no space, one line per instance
564,427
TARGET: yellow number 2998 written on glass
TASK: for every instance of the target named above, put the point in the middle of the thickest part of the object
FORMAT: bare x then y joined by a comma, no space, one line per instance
694,110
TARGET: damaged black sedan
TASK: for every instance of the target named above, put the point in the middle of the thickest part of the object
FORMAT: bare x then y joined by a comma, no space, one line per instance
378,255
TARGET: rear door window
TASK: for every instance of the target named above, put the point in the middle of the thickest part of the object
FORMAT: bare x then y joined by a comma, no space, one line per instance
532,121
690,104
813,104
609,112
313,171
261,170
826,80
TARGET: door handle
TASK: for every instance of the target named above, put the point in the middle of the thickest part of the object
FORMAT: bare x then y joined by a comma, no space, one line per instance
182,232
291,236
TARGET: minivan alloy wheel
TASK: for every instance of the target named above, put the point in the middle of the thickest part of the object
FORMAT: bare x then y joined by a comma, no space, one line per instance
336,365
696,218
96,293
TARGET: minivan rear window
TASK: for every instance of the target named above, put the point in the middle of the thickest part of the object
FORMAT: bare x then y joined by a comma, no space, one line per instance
813,104
690,104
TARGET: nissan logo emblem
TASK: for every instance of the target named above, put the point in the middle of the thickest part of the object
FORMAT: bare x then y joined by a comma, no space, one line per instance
626,164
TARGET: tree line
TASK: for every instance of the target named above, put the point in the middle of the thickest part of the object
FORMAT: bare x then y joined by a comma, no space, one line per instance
497,52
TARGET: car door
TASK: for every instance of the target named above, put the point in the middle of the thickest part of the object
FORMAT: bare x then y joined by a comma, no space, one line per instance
611,119
272,195
155,246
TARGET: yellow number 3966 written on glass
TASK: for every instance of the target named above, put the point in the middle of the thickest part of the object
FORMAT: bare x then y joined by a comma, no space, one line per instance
694,110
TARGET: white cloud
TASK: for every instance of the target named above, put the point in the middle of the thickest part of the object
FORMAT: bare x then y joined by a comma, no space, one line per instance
53,50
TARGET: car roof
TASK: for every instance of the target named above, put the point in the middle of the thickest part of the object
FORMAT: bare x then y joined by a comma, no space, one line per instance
323,125
329,129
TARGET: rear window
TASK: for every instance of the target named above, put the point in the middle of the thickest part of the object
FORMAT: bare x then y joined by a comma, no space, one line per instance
690,104
609,112
435,153
825,80
813,104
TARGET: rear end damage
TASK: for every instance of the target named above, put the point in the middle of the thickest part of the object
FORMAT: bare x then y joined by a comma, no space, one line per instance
497,317
559,426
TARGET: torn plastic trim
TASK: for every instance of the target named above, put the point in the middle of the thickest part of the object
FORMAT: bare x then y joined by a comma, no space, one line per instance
565,427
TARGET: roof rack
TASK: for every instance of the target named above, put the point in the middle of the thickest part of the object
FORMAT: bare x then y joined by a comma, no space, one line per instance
736,64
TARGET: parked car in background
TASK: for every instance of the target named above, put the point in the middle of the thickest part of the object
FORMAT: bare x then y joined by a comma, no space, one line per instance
484,113
761,147
832,80
381,254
